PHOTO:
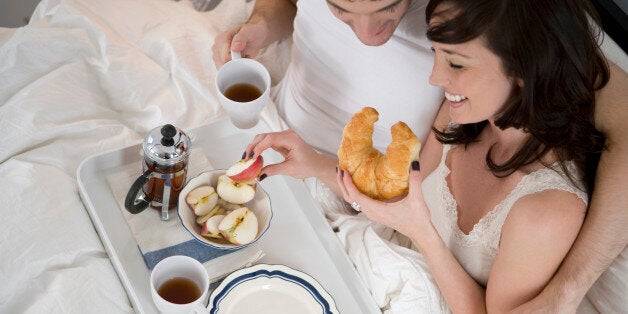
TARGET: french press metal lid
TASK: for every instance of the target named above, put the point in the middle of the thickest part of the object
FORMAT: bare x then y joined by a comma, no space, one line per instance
166,145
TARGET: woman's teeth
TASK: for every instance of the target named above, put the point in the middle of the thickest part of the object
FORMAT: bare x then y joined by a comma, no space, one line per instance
454,98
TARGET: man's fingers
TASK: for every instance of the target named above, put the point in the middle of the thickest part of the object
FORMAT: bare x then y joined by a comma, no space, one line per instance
221,49
243,42
238,44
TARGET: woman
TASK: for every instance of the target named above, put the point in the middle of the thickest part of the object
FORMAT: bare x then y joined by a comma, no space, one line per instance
509,165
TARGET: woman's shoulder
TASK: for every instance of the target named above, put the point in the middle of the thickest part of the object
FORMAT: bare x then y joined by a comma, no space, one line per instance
548,203
546,200
552,174
547,213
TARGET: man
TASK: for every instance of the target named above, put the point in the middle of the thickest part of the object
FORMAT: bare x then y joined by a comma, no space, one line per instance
351,54
333,73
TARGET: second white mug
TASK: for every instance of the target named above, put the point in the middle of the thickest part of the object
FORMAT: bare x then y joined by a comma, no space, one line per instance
179,284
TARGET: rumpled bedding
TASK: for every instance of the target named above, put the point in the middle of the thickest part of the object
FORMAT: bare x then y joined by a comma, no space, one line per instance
84,77
87,76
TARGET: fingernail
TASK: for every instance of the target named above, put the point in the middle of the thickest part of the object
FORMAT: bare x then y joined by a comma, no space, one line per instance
243,155
416,166
251,154
342,173
262,177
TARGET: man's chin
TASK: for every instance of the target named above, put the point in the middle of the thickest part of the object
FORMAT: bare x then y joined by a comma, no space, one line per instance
374,42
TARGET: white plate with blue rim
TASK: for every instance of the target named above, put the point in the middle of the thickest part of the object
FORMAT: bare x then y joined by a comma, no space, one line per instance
275,289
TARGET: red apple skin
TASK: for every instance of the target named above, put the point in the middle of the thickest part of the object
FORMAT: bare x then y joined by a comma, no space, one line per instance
204,230
251,172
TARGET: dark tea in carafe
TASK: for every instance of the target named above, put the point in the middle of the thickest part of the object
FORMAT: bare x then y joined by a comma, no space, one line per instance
154,188
242,92
179,290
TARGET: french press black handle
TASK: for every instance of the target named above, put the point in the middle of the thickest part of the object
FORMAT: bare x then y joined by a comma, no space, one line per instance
132,202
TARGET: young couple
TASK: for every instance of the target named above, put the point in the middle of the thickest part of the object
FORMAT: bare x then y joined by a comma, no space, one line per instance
501,192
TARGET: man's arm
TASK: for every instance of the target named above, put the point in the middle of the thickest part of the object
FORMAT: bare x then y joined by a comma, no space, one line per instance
277,14
604,235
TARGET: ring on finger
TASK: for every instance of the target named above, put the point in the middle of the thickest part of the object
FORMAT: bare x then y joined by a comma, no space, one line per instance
356,206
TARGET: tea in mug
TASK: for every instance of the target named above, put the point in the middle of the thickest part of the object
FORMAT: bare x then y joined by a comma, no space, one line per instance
242,92
179,290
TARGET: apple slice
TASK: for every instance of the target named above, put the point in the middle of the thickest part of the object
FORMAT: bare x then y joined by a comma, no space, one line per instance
246,170
202,199
226,205
239,226
234,192
215,211
210,227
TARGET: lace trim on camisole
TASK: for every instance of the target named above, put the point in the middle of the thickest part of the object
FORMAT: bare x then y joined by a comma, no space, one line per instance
487,231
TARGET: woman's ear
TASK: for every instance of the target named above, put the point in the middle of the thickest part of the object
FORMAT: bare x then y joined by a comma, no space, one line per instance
519,82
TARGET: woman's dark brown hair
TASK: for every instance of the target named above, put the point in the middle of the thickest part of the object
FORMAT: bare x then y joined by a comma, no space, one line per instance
551,45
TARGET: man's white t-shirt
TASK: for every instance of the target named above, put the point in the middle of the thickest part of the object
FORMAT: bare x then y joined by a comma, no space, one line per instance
332,75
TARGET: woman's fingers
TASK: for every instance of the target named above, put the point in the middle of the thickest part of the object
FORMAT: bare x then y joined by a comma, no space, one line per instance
300,159
279,168
340,179
347,181
415,180
252,149
351,193
278,141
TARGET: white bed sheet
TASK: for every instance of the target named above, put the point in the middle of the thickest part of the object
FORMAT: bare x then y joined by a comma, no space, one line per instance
86,76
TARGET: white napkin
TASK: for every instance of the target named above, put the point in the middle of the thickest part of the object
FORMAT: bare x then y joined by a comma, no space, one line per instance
159,239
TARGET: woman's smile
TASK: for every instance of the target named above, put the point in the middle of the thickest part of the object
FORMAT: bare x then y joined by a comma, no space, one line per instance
455,100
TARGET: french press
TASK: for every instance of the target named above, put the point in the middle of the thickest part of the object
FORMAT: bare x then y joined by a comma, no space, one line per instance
166,152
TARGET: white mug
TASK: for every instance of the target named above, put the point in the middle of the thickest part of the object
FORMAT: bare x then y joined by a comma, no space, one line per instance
244,112
172,269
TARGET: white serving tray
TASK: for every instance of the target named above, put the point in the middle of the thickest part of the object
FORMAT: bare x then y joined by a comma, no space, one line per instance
299,236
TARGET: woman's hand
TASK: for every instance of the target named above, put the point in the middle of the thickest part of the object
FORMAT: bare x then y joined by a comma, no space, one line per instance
410,215
300,159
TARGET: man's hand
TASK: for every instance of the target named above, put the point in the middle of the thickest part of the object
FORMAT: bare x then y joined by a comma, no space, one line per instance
270,21
248,39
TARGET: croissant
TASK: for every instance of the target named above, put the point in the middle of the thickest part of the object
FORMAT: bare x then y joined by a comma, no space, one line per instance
377,175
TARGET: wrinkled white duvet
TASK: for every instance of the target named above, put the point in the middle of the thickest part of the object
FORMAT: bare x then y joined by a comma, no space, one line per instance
87,76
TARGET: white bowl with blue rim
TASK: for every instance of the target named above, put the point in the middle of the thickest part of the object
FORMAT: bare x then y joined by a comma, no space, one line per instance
260,205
